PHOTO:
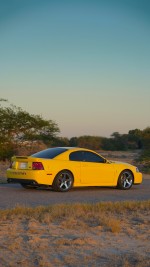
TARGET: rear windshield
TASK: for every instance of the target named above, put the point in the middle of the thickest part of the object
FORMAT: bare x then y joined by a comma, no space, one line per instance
49,153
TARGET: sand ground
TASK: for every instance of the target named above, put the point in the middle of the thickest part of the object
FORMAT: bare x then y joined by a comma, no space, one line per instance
28,242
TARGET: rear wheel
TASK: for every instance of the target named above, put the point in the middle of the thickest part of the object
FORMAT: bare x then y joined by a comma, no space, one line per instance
63,181
125,180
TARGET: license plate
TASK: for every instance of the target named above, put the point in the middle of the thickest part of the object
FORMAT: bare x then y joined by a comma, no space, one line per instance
23,165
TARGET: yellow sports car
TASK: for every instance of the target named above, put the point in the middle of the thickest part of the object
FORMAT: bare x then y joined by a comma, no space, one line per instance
65,167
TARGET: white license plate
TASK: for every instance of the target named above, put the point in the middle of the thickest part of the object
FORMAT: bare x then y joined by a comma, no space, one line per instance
23,165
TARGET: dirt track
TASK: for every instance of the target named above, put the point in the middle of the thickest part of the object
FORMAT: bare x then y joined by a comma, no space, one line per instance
12,195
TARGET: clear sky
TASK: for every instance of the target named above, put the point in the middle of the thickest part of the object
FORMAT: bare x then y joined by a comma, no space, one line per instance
83,63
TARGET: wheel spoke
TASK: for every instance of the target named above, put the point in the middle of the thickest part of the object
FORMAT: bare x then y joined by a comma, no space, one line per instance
124,183
129,178
65,181
64,176
61,185
65,184
126,180
129,182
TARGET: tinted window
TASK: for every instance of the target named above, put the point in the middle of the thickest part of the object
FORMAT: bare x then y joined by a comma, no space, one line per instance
91,157
85,156
76,156
49,153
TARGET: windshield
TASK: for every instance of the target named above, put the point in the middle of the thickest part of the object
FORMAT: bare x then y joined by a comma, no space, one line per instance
49,153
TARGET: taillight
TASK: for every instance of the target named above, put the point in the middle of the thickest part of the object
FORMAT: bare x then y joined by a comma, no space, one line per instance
37,166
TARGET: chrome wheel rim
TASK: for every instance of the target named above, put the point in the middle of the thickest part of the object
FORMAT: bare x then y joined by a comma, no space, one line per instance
65,181
126,179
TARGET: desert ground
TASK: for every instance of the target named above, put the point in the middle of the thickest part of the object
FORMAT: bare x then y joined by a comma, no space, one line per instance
76,235
101,234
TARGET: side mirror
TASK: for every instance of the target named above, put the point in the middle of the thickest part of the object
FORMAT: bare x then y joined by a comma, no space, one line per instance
107,161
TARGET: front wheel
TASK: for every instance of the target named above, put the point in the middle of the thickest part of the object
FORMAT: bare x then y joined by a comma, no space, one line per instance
125,180
63,181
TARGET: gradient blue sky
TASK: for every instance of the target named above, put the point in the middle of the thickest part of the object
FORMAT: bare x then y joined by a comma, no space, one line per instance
83,64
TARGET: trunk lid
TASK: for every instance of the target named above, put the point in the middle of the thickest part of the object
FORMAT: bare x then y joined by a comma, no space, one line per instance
22,163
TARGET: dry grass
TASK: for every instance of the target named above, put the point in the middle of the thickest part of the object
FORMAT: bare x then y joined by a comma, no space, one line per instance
87,212
101,234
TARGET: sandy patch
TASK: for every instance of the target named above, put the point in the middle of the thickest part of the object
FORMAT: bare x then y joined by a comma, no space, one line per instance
29,242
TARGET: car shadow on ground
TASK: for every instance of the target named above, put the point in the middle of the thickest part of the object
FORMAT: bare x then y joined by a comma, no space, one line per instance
82,189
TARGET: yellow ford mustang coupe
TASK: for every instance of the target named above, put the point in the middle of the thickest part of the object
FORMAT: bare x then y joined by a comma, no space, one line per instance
65,167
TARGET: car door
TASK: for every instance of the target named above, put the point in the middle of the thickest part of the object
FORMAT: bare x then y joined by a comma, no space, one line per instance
76,157
95,170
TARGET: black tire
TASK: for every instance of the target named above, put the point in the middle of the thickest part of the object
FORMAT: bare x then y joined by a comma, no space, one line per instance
27,186
63,181
125,180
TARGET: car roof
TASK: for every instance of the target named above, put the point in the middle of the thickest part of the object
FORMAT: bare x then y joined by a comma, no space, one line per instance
72,148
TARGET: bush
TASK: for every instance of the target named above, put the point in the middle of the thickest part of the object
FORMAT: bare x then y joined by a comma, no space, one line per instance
6,152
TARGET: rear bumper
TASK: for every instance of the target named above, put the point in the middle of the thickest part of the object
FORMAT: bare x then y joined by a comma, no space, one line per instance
22,181
29,177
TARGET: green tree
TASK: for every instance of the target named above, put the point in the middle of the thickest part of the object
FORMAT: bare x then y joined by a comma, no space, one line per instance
73,142
116,142
18,126
144,158
60,141
135,139
146,144
90,142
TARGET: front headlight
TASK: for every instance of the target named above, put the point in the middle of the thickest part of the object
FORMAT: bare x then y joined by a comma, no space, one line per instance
137,170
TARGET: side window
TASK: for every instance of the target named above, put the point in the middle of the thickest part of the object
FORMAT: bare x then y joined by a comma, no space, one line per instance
91,157
76,156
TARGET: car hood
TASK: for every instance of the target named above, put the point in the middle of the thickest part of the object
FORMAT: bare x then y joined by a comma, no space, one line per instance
119,162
